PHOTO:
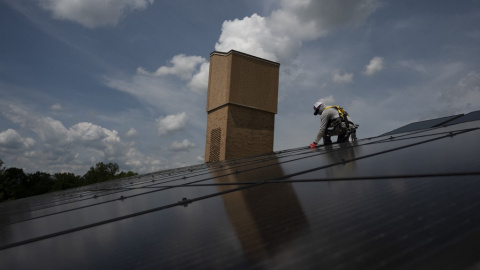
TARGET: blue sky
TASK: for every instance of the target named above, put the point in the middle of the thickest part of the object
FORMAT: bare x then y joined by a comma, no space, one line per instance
125,81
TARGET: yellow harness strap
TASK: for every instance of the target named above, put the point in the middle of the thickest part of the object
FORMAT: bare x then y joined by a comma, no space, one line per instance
340,110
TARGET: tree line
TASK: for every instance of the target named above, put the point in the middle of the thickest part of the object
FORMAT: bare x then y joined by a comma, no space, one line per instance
16,184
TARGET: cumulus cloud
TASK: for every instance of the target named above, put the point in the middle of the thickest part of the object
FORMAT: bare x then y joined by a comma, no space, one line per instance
279,36
143,163
184,145
88,132
199,81
48,129
182,66
193,69
171,123
60,147
93,13
339,78
11,139
375,65
250,35
56,107
131,133
53,131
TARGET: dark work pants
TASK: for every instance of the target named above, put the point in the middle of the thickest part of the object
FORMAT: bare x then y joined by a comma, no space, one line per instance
328,140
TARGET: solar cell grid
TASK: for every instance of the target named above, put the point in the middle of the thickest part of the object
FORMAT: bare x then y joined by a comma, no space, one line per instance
391,202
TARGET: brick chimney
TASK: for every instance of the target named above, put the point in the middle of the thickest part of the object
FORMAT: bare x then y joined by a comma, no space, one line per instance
241,106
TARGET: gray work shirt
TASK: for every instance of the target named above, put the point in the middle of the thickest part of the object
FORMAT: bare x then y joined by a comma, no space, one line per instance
327,114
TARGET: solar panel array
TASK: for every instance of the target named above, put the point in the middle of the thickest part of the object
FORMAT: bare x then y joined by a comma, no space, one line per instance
473,116
437,122
400,201
424,124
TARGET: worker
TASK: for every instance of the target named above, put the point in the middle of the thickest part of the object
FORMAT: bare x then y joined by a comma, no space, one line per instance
334,121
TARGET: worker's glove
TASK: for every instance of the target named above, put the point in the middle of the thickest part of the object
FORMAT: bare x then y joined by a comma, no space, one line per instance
313,145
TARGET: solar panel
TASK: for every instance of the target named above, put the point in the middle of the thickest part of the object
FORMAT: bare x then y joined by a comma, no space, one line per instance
473,116
423,125
405,201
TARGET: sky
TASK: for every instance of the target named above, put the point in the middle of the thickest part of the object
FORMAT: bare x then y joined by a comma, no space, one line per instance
125,81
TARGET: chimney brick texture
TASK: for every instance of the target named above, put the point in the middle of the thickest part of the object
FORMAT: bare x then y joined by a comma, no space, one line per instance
241,106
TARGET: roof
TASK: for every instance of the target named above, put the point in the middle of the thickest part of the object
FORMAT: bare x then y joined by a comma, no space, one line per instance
399,201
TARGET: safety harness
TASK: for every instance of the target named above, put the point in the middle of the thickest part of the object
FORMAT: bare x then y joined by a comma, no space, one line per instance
348,126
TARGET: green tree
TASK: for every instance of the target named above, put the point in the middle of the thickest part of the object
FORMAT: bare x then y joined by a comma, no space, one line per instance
2,184
39,183
66,180
2,168
125,174
13,184
101,172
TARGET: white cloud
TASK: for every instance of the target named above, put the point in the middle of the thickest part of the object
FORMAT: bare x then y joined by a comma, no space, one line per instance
131,133
199,81
345,78
144,163
279,36
68,149
171,123
250,35
375,65
182,66
93,13
184,145
56,107
53,131
193,69
48,129
11,139
88,132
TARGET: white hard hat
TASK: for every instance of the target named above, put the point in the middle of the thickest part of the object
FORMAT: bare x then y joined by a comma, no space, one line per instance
316,107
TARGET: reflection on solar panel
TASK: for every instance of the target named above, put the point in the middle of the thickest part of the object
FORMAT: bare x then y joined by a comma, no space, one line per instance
407,201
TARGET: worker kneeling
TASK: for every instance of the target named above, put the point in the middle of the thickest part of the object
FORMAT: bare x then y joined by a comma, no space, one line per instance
335,121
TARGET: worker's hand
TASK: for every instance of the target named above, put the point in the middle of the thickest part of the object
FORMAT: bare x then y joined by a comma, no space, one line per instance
313,145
